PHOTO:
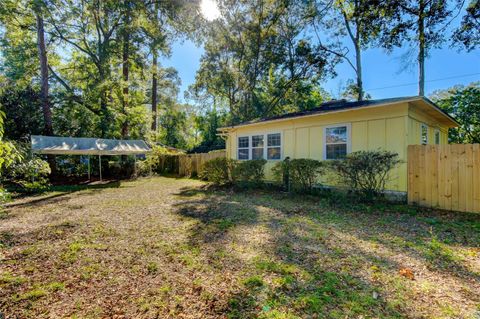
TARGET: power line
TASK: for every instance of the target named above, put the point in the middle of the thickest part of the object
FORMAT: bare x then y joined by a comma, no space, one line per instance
415,83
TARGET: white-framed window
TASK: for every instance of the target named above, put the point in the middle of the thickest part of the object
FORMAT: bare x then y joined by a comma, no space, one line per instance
424,134
274,146
437,136
336,141
259,146
243,148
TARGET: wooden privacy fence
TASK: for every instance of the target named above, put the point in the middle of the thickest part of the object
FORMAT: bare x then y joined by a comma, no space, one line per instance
445,176
190,164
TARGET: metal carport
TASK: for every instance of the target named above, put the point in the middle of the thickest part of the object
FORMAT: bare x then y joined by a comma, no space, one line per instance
57,145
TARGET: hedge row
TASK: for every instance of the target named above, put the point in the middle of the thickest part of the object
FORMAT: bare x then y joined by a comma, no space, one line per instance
364,172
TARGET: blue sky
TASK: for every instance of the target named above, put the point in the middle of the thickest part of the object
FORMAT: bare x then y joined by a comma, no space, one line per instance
380,70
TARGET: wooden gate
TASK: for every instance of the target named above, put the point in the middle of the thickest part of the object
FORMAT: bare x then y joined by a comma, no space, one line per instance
445,176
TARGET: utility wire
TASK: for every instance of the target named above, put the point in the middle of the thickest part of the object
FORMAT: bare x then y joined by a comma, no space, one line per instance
415,83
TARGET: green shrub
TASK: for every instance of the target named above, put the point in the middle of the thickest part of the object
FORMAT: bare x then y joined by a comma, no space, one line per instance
366,172
304,173
218,170
249,172
143,168
162,161
281,173
4,195
28,174
71,166
299,175
31,173
9,154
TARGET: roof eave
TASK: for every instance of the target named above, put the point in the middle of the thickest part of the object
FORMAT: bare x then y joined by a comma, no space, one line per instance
450,118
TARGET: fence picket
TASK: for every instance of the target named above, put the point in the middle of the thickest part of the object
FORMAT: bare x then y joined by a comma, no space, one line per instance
476,177
445,176
190,164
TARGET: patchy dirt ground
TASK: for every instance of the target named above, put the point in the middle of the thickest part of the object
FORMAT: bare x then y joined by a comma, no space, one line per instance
171,248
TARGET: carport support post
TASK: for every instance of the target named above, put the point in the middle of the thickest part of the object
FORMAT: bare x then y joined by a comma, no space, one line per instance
88,157
100,165
135,165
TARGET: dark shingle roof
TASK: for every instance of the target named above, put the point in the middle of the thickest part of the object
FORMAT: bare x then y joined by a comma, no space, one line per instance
336,105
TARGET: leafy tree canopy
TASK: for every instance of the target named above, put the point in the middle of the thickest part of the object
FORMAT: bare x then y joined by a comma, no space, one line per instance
463,103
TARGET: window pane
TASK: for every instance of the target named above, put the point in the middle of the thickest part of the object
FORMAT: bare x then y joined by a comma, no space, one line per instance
336,134
424,134
273,153
336,151
243,154
243,141
437,137
274,139
257,141
257,153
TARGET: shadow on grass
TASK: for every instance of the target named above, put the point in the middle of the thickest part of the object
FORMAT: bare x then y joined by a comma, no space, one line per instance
64,191
215,215
44,233
424,234
314,275
296,280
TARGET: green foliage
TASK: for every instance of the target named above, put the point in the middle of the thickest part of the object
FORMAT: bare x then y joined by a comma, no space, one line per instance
421,26
218,170
463,103
281,173
253,282
31,174
207,125
173,125
249,172
257,64
299,175
366,172
160,160
9,154
222,171
152,267
88,94
360,23
23,111
468,33
304,174
4,196
21,170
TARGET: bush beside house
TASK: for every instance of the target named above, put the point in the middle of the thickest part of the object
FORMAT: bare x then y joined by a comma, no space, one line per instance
218,171
366,172
363,173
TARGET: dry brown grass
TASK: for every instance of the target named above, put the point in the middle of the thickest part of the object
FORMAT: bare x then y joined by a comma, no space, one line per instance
172,248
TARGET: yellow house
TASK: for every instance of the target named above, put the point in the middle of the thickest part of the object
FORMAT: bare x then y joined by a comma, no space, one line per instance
337,128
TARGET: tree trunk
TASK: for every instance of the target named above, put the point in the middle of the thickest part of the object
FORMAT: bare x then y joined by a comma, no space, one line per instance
154,91
355,36
358,71
125,67
105,114
47,112
42,54
421,49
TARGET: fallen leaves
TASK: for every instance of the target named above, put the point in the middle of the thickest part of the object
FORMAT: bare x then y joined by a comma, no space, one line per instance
407,273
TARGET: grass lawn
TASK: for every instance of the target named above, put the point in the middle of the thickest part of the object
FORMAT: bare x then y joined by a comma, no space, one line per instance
172,248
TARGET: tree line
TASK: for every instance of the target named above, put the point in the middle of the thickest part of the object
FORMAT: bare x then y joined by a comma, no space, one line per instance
92,67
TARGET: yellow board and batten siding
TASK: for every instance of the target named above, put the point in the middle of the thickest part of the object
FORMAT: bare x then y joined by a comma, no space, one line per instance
391,127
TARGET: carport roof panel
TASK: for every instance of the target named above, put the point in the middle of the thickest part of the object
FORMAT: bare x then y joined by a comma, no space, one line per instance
86,146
